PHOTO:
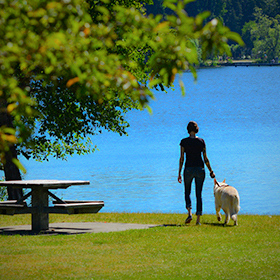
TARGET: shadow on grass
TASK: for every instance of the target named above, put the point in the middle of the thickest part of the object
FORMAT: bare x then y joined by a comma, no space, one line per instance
218,224
208,224
31,232
63,230
170,225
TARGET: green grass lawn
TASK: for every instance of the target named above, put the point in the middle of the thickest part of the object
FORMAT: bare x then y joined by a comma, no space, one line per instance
210,251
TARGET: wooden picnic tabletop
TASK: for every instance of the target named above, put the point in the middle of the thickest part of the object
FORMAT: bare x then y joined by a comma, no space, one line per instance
50,184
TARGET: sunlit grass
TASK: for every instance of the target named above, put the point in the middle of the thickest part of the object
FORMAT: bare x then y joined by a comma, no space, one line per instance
210,251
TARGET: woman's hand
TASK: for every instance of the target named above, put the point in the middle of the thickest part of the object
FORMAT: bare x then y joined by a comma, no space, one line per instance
180,178
212,174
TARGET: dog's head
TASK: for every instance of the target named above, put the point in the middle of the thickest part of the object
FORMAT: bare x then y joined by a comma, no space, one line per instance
218,185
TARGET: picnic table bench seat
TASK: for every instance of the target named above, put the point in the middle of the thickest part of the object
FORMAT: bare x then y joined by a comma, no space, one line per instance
78,206
11,207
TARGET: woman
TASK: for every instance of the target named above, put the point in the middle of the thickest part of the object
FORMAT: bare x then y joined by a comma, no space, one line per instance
193,147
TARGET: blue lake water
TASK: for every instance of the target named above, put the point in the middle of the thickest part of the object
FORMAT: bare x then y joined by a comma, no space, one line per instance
238,112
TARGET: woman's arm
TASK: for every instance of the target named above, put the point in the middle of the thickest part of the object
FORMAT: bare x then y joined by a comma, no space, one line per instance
181,162
206,160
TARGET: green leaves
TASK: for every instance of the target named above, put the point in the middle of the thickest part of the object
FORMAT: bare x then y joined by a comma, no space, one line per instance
265,33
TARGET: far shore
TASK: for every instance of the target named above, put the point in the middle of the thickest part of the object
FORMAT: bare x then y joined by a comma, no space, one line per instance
235,62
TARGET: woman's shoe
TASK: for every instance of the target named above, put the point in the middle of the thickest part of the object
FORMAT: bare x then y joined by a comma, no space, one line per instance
188,220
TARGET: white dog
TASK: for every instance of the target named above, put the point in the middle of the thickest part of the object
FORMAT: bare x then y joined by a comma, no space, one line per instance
227,198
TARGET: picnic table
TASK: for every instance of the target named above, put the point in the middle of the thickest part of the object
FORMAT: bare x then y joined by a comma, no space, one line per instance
40,194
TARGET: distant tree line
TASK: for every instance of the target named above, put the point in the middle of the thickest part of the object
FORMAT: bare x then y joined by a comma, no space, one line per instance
257,21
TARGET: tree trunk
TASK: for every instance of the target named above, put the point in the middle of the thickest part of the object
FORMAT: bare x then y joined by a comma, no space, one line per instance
10,169
12,173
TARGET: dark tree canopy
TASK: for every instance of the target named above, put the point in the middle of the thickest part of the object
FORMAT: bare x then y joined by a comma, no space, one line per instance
236,14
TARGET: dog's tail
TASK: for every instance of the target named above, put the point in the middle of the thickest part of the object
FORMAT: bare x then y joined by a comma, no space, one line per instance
235,207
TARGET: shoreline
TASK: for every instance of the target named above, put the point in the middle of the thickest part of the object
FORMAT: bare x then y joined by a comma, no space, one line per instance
235,63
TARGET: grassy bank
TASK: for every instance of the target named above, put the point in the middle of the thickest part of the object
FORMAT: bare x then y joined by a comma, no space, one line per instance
209,251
